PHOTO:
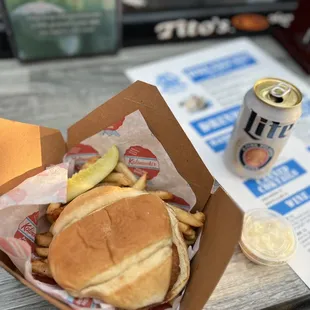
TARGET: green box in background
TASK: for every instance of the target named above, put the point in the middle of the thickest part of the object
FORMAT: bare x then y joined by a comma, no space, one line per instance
46,29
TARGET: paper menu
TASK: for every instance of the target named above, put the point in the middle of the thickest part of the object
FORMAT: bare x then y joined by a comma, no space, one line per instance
204,90
220,76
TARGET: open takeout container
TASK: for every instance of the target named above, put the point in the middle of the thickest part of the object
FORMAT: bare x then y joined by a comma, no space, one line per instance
27,149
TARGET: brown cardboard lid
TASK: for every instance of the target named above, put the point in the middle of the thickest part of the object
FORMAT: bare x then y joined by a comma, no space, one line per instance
162,123
24,151
220,235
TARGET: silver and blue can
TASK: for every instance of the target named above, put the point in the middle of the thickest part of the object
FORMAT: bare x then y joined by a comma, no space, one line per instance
265,122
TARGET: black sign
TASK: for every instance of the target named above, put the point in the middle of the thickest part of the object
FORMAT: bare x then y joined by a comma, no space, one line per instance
142,26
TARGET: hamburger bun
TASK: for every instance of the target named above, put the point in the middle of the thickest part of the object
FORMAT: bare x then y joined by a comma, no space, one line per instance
121,246
89,202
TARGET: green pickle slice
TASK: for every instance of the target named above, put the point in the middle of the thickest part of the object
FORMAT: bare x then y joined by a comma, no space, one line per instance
86,179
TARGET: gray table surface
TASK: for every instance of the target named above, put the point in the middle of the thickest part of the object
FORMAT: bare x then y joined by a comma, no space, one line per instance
56,94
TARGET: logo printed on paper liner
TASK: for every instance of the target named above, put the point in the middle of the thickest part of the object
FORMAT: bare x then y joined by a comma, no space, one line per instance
84,302
17,195
112,130
140,160
80,154
27,229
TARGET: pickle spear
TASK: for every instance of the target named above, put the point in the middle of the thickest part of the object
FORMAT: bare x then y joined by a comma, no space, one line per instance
88,178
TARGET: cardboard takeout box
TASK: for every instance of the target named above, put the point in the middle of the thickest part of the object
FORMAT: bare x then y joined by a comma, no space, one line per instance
27,149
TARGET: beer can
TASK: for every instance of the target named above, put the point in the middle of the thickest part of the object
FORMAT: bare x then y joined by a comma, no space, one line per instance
264,125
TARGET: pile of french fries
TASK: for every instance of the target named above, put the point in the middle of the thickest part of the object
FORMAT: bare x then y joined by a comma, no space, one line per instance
40,266
121,176
189,223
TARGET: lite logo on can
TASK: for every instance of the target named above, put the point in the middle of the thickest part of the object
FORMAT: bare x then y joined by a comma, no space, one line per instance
266,121
269,129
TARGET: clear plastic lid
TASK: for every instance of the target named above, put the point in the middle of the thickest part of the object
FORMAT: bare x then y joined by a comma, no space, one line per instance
268,237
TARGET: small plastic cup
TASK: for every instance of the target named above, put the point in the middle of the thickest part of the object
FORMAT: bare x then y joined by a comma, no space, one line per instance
267,238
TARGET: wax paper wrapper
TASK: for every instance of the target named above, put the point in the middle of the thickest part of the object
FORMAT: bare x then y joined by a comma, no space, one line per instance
22,209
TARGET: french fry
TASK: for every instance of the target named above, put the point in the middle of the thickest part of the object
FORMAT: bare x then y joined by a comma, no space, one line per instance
41,267
43,252
185,229
122,168
141,183
51,228
190,242
44,239
199,216
90,161
162,194
191,236
53,206
108,184
118,178
186,217
53,211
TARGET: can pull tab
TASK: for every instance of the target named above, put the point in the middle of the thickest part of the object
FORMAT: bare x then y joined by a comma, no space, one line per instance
279,91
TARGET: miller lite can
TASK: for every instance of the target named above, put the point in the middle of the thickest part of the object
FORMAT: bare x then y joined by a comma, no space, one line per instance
264,125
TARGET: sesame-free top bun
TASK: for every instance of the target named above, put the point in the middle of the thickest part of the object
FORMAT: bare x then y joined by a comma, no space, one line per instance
89,202
128,253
